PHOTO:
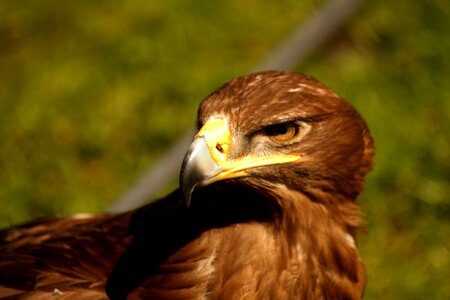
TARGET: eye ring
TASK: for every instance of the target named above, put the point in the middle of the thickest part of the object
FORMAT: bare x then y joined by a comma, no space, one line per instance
282,132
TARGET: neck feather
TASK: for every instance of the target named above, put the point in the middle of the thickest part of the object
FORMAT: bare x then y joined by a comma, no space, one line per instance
324,234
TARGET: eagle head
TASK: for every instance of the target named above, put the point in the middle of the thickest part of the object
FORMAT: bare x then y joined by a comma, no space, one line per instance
279,128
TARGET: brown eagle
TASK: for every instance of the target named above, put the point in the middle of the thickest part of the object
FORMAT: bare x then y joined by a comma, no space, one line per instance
266,210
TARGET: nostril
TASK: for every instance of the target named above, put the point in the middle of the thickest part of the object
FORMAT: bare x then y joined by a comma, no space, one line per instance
219,148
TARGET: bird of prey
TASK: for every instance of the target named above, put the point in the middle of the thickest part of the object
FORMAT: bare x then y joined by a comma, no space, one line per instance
266,209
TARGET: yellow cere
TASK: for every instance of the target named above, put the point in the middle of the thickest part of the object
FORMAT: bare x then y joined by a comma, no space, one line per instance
218,137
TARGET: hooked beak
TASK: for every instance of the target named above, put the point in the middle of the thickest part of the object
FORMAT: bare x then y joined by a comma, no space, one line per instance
206,160
197,166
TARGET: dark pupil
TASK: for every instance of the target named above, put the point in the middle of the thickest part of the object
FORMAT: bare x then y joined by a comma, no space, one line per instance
277,129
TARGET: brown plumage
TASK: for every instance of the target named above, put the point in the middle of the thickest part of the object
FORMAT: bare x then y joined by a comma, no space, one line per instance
271,216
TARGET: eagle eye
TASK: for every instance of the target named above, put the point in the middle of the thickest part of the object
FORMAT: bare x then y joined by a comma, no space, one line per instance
282,132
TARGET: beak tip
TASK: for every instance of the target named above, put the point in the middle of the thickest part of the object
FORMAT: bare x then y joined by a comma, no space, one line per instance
197,166
186,189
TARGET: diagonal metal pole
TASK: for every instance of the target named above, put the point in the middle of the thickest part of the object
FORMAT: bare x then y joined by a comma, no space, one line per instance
303,40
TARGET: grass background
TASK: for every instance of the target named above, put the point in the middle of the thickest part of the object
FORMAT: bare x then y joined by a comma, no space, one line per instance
91,93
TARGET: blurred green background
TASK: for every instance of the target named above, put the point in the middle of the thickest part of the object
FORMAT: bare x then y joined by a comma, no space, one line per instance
92,92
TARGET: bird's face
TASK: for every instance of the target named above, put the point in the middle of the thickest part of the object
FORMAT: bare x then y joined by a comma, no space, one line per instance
278,128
